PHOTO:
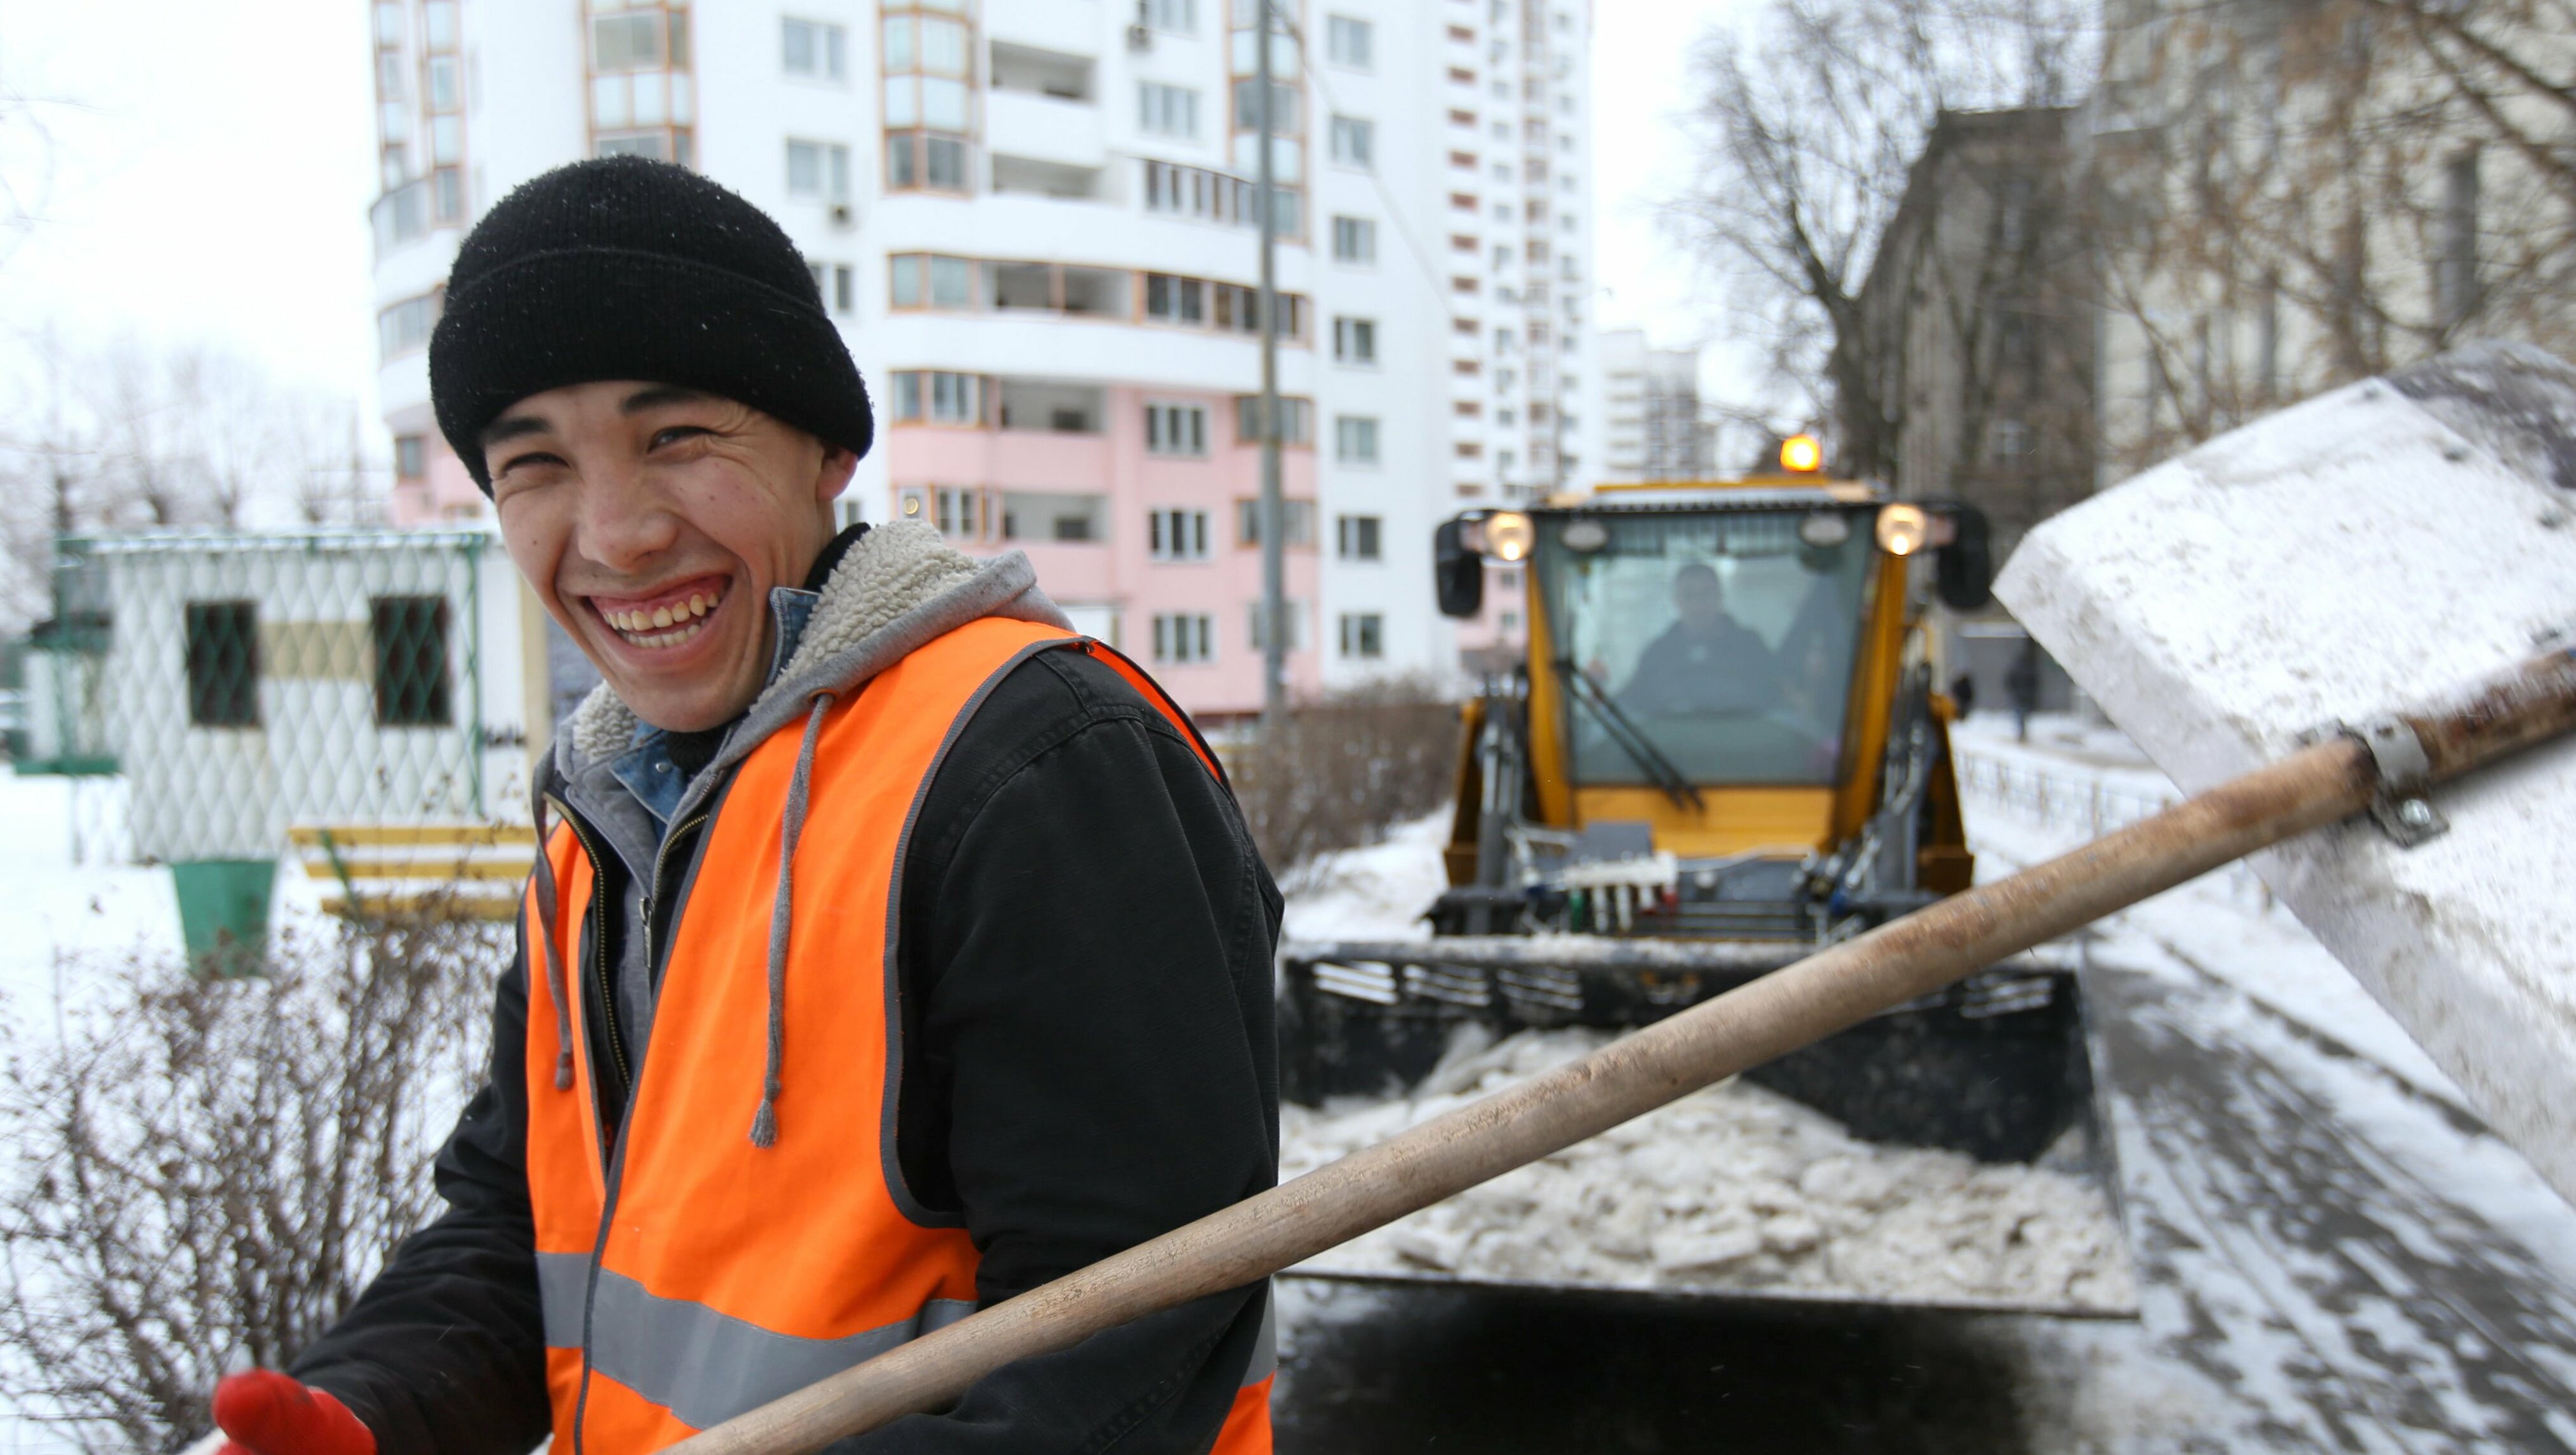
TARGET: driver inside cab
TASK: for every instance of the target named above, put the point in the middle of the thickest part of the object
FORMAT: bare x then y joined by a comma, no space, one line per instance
1706,661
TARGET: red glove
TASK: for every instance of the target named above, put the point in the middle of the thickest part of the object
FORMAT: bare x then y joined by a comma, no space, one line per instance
266,1413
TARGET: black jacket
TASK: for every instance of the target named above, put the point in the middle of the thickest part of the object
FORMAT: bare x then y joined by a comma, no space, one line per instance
1086,971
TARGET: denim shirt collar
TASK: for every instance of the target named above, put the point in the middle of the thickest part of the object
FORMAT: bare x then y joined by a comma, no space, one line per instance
646,767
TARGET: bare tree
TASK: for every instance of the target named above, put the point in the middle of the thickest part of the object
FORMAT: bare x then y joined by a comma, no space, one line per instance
200,1171
2290,197
1812,114
1344,767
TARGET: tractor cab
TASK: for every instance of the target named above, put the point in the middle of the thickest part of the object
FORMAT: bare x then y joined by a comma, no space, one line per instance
1722,723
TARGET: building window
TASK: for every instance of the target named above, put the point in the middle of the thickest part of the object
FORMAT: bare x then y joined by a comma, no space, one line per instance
1284,118
1355,439
1348,42
930,280
1198,192
1354,341
2455,276
1300,516
1184,637
223,663
642,100
1296,420
845,288
1354,141
818,170
1176,535
660,146
1355,537
1175,300
958,512
1354,240
1295,611
1167,110
1176,429
1363,634
937,397
917,162
441,88
405,326
1179,17
2009,441
1239,308
928,97
634,41
409,634
411,457
814,49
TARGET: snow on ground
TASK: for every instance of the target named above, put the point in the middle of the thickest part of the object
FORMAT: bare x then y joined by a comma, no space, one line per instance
1373,893
2224,928
2030,801
51,908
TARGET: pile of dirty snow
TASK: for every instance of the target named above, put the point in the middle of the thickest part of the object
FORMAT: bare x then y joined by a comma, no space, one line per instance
1733,1187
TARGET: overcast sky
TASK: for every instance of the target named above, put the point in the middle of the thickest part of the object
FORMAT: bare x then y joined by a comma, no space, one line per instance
210,173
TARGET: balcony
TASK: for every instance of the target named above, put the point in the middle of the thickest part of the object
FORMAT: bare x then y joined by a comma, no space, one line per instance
406,214
1064,26
1039,127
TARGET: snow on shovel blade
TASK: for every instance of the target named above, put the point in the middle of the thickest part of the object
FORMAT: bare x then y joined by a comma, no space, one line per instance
2372,546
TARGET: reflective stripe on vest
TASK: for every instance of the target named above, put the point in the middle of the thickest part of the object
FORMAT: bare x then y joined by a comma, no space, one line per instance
701,1276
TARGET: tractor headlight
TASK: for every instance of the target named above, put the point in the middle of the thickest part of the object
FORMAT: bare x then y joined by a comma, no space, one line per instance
1509,535
1903,529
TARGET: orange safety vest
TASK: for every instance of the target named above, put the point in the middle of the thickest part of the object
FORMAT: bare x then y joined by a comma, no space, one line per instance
697,1276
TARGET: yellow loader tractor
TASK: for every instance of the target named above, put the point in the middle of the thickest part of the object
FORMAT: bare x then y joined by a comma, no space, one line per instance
1722,749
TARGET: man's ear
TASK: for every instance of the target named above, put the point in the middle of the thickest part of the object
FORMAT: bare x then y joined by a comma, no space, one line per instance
832,474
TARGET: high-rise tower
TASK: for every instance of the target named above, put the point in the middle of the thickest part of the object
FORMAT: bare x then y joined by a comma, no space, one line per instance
1034,222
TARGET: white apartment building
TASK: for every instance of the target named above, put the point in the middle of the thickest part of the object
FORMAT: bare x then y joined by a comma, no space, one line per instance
1034,221
1650,420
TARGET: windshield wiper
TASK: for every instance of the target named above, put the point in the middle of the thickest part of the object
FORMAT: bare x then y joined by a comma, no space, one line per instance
1631,738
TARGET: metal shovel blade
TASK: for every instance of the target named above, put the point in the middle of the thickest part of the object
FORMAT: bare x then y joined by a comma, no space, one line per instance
2369,546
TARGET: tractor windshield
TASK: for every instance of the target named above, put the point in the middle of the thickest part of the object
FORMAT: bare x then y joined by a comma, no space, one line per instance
1723,639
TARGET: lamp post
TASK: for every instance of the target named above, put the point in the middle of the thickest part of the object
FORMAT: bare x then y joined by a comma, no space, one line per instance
1274,511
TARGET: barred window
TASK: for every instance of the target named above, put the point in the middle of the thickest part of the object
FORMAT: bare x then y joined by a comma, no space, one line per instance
1363,634
1299,515
1177,535
223,663
1175,429
1184,636
1296,420
409,634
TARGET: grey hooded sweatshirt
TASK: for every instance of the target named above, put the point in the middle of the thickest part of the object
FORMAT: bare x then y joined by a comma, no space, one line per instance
1085,981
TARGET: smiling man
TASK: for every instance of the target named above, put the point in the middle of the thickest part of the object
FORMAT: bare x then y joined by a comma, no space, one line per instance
894,949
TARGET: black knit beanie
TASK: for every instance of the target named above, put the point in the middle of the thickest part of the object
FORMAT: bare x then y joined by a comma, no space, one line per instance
626,268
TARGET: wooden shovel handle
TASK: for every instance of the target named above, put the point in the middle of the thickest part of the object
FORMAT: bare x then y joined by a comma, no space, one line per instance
1765,1018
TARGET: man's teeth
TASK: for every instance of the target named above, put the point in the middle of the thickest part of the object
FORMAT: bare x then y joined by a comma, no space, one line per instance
654,628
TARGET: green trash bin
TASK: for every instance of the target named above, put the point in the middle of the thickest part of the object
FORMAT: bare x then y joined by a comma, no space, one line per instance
223,913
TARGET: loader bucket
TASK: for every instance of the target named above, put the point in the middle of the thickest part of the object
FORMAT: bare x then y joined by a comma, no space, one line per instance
1998,1069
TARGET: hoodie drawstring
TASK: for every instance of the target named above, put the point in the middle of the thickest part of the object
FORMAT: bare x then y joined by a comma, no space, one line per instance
764,1122
557,982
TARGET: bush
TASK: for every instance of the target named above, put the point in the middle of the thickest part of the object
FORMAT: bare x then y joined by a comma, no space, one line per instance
1344,768
203,1174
